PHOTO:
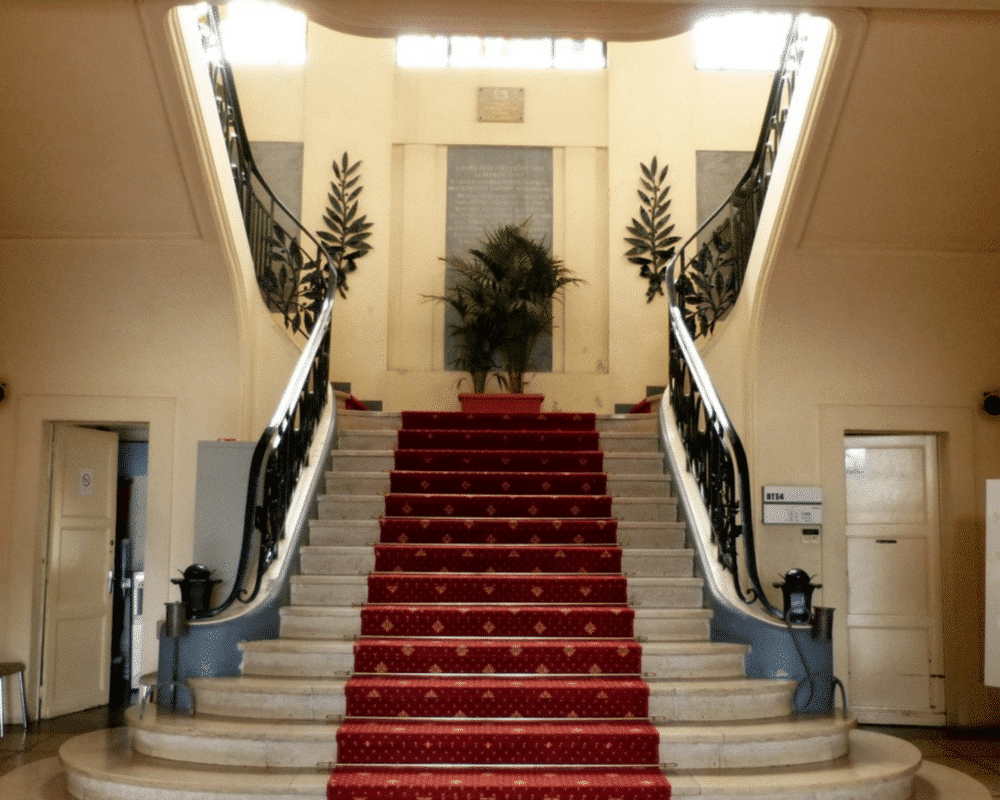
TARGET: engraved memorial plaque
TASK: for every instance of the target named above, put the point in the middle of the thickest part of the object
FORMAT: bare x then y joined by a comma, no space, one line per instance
489,187
500,104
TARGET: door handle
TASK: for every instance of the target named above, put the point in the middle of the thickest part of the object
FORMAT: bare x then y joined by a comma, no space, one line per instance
886,541
111,581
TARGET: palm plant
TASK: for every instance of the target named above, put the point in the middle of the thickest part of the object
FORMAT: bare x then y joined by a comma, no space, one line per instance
503,295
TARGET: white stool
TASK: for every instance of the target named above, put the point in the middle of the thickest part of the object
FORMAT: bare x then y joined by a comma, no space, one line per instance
8,668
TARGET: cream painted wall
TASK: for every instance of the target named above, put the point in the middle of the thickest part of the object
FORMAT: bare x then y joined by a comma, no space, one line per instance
120,300
877,309
387,341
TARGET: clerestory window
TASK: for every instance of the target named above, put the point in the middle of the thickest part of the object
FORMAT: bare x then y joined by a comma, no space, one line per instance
475,52
744,41
263,33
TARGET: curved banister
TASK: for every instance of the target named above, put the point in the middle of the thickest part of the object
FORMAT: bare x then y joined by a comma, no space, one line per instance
707,271
291,280
706,276
716,458
284,446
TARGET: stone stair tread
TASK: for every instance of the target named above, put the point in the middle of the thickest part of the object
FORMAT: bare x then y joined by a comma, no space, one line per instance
107,756
279,684
348,419
717,686
632,581
757,730
242,728
218,727
874,759
290,685
306,646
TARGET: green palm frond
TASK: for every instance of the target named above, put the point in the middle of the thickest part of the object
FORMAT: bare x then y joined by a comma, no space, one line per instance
503,296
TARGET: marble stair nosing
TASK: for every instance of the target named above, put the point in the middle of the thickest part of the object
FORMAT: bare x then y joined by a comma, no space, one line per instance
378,482
372,506
635,463
365,532
333,658
616,441
317,699
102,766
744,744
637,562
339,590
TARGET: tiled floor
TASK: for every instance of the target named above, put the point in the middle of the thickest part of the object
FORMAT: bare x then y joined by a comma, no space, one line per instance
975,752
44,737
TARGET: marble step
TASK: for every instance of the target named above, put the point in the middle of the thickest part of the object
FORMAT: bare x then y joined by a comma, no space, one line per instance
368,420
102,766
227,741
365,533
327,658
372,506
281,698
616,441
628,422
383,461
389,420
636,562
378,482
352,590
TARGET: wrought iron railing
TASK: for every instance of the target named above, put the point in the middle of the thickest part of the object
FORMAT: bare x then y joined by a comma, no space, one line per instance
708,269
716,458
292,265
283,448
707,274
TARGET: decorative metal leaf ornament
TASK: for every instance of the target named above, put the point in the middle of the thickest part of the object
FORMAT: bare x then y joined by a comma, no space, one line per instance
347,234
652,245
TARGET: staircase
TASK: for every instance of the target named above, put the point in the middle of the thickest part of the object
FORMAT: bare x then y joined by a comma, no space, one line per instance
272,731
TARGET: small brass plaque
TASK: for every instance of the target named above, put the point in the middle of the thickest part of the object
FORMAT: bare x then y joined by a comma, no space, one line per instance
500,104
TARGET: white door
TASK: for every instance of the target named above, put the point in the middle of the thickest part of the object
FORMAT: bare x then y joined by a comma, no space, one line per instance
77,637
895,651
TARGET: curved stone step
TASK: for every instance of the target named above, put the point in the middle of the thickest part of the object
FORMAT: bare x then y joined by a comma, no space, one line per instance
335,659
298,658
307,744
650,463
337,621
353,420
361,439
102,766
625,441
360,475
283,698
878,767
365,533
352,590
372,506
628,422
636,562
230,742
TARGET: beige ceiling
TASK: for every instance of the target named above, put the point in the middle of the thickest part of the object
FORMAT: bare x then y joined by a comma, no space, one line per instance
914,162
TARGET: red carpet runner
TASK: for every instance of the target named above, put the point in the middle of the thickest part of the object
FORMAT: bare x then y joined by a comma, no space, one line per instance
497,659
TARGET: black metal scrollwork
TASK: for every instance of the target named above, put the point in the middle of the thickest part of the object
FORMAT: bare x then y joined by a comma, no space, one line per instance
708,272
293,267
708,269
303,288
716,459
